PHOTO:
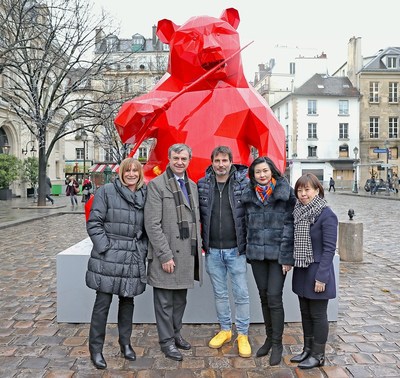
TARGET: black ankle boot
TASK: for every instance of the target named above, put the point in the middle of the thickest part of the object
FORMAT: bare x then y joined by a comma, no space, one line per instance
264,350
98,360
317,357
128,352
308,342
276,354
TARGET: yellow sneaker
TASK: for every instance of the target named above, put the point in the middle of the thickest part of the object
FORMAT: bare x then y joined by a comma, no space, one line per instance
220,339
244,346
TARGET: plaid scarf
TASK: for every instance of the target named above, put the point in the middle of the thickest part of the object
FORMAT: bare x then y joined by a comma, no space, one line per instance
187,228
263,192
304,216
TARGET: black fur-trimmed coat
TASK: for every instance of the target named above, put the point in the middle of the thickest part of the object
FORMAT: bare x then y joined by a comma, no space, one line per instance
270,227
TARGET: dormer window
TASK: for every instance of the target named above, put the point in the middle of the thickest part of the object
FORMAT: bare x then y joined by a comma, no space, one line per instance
391,62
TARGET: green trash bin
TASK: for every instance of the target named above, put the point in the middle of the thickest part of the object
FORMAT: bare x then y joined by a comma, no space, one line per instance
56,190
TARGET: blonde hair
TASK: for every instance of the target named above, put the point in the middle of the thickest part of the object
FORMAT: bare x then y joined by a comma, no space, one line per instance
126,165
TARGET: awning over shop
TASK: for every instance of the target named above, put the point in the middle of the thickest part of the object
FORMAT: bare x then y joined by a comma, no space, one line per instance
99,168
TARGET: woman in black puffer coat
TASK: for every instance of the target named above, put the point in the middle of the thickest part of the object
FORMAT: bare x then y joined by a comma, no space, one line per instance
269,204
117,261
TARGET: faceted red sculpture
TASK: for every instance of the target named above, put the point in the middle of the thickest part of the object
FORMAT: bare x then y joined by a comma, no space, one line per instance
204,100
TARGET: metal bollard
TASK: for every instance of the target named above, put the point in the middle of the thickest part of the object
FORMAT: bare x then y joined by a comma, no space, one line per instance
351,241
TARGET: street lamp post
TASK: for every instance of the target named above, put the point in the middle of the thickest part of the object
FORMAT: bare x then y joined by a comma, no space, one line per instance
32,150
355,186
107,174
84,138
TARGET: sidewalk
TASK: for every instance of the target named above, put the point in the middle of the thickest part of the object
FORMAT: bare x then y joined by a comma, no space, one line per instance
21,210
364,342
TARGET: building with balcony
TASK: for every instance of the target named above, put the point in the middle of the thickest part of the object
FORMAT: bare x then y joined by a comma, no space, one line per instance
377,78
134,66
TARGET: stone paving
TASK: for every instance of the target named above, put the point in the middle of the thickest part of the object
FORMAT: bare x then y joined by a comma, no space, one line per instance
364,342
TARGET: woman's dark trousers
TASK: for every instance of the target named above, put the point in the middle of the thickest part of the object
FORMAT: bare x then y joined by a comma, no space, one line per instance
97,332
314,319
270,280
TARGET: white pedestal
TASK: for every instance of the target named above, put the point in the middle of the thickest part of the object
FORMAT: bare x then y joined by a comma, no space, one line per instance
75,300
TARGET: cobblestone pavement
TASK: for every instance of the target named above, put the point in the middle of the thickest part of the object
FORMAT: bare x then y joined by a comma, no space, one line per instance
364,342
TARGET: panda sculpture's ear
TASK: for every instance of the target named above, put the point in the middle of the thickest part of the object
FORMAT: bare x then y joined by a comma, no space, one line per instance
165,30
231,16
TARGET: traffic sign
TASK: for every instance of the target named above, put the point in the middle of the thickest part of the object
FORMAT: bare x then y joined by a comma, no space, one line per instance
380,150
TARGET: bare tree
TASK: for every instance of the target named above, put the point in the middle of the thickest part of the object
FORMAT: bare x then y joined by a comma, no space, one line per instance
10,12
50,71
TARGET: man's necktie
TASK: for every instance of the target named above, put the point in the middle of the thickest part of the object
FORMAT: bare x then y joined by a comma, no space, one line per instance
183,188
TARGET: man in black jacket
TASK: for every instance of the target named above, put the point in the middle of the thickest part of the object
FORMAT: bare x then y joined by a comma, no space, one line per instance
224,242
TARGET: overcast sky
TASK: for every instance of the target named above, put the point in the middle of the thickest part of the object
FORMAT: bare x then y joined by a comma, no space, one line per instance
323,25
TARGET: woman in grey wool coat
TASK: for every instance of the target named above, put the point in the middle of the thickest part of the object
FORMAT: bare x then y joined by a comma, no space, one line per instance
117,261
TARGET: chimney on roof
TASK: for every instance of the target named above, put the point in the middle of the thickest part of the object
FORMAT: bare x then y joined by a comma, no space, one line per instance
354,59
99,37
154,36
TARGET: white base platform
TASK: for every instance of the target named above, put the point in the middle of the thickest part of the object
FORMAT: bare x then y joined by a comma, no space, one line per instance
75,300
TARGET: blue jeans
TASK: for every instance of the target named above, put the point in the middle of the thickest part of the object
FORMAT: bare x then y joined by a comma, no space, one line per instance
219,262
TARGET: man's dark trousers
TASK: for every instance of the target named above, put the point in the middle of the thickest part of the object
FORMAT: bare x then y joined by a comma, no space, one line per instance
169,307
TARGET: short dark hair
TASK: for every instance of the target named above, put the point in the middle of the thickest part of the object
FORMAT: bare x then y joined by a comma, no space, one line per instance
311,180
263,159
222,150
178,148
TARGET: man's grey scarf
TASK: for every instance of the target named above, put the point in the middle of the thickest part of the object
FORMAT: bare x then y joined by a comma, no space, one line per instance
187,228
304,216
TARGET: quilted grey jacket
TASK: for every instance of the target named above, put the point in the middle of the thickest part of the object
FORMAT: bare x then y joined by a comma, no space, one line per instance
115,226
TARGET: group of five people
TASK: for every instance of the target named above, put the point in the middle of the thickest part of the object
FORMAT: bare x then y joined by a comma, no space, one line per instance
155,234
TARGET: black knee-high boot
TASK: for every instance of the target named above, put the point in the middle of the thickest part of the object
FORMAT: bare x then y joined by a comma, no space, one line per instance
277,322
317,357
265,348
308,343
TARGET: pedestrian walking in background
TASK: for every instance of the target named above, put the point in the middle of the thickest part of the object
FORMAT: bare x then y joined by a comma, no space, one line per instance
86,189
373,186
48,190
224,242
72,190
118,257
395,183
172,223
269,205
332,184
315,235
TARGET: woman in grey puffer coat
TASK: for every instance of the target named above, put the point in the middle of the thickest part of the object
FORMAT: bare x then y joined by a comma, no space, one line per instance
117,261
